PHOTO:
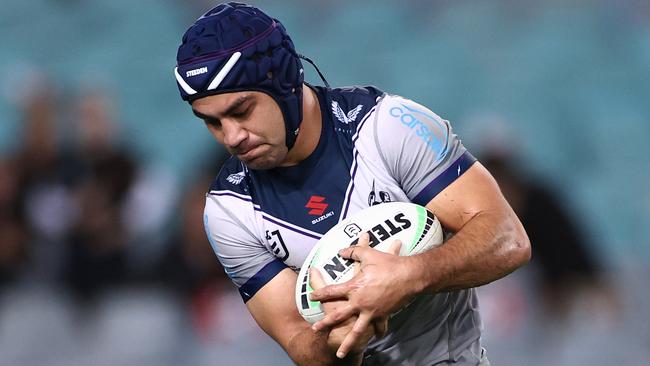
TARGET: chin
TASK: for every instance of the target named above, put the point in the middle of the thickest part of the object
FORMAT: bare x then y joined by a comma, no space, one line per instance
266,157
259,164
264,162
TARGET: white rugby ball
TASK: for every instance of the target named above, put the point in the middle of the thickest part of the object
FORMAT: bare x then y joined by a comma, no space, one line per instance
415,226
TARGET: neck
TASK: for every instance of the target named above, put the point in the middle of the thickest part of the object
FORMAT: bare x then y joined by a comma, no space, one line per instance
310,129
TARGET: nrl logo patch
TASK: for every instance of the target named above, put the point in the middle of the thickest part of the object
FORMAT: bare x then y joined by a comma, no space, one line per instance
345,118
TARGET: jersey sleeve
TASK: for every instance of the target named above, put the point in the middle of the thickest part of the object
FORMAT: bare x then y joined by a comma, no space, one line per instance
419,148
232,235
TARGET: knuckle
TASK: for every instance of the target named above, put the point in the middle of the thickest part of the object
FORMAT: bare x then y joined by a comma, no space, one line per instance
363,303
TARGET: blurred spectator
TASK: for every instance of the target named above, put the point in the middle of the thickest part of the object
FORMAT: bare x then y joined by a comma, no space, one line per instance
566,264
191,268
37,157
13,235
43,205
97,242
67,210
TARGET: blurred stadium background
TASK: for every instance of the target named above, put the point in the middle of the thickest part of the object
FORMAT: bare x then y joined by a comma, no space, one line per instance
103,258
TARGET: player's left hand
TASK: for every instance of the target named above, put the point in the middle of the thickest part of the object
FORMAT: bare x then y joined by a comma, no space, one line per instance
338,333
378,289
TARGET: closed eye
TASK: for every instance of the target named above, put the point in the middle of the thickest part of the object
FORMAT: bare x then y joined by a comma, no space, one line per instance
241,113
212,122
208,120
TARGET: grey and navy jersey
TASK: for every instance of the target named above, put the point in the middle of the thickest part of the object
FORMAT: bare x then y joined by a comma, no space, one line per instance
373,148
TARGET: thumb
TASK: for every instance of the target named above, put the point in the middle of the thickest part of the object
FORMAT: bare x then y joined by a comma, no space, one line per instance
395,247
316,279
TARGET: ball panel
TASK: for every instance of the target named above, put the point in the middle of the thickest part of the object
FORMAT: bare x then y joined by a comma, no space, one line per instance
415,226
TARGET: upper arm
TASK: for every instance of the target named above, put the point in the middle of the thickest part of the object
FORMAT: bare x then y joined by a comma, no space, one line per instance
235,239
274,309
472,193
431,165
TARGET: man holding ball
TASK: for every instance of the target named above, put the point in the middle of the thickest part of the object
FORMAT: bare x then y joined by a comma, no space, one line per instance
305,157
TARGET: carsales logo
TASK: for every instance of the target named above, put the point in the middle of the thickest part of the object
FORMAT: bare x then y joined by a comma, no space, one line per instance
429,129
317,205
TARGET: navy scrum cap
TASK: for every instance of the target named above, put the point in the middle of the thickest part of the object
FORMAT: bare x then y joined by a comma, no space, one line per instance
236,47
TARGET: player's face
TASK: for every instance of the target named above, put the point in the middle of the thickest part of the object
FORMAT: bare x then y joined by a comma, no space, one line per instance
248,124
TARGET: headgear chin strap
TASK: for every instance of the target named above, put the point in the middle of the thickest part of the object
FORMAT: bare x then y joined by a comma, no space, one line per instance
236,47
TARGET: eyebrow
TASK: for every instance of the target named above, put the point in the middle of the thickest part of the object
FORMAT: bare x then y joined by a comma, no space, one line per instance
229,110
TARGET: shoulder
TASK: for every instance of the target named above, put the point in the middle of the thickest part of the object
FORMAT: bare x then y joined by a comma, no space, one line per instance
402,121
229,197
350,96
229,213
408,113
231,177
349,105
357,94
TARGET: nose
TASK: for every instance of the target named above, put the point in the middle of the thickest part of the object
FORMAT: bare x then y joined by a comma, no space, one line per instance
233,134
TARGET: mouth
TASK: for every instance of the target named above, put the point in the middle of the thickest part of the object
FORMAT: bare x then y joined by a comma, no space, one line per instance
248,154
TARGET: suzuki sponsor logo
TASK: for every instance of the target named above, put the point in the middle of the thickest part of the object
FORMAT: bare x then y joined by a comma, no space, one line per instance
326,216
317,207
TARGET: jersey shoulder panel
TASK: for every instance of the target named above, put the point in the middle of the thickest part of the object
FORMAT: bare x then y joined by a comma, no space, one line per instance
233,176
403,125
418,148
349,106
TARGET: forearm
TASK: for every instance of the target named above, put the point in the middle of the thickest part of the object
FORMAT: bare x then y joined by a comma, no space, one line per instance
274,310
489,246
311,348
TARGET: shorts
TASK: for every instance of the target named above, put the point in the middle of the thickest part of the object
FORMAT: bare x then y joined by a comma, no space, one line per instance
474,355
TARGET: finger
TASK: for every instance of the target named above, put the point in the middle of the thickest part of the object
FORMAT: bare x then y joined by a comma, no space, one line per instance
330,320
356,252
381,327
395,247
316,279
364,240
330,292
352,338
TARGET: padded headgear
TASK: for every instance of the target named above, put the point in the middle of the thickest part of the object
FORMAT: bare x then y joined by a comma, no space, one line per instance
236,47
